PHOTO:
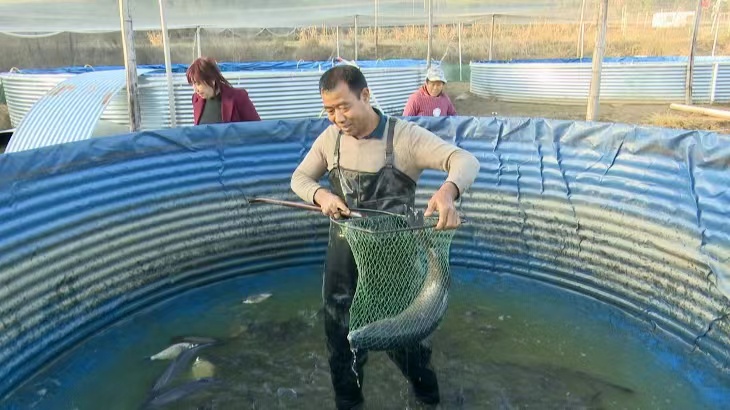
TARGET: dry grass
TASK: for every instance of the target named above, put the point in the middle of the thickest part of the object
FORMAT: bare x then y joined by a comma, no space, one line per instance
689,121
155,38
640,114
536,39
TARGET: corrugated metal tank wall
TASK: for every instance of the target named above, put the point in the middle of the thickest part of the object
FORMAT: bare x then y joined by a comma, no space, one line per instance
623,80
287,90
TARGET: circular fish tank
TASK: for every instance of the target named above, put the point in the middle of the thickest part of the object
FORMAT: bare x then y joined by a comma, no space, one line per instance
623,80
592,271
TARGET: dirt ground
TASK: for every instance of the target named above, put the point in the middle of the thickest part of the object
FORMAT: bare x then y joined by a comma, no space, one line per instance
641,114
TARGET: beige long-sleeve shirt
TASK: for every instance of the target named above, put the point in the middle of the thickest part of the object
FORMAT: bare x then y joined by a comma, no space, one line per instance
415,149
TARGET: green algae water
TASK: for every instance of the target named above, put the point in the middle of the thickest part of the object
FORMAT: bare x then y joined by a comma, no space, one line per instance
505,343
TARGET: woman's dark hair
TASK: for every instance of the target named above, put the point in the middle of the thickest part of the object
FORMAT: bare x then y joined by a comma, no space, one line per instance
205,70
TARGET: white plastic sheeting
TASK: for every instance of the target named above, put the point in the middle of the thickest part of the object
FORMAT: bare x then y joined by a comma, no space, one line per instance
44,16
70,111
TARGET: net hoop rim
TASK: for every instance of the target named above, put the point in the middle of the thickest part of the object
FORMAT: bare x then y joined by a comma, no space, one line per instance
346,224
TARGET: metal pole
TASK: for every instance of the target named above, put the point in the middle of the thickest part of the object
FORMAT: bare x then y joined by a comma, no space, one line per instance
356,46
197,41
376,29
691,59
168,65
460,73
337,39
430,34
491,39
130,64
716,26
581,32
595,91
715,69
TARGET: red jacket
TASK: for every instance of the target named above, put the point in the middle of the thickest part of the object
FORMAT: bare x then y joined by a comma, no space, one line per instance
421,103
235,106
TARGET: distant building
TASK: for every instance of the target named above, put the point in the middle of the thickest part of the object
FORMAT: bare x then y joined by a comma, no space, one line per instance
672,19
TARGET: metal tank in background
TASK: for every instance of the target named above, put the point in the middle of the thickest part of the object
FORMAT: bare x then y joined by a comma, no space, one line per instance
623,80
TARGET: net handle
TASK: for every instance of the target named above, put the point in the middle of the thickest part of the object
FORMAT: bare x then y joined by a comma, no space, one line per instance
354,212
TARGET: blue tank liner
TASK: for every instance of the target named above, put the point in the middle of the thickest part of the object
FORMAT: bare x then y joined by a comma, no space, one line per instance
226,66
94,230
625,60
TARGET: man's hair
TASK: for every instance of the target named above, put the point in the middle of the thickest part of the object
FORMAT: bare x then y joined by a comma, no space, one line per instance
351,75
205,70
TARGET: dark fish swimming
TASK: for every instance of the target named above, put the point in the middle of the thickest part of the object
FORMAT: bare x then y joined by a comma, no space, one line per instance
178,392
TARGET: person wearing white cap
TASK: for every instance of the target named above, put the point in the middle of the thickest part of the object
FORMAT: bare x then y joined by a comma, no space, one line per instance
430,100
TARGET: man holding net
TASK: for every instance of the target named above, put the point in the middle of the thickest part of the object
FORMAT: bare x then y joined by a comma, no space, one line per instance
373,162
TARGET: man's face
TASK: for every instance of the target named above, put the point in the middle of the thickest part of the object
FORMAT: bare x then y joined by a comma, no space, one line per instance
434,88
203,89
348,111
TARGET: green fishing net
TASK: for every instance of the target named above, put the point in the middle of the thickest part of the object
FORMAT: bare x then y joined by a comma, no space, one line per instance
403,279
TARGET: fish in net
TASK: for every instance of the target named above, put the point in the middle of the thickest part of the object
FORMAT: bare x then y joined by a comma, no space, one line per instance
403,279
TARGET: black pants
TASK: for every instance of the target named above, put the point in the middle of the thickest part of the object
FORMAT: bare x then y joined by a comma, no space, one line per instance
340,281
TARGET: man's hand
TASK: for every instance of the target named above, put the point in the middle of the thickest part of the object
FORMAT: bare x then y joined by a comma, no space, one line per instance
331,204
443,202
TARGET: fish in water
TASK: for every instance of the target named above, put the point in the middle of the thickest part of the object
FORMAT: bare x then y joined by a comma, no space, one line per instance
202,369
173,351
176,367
257,298
418,320
178,392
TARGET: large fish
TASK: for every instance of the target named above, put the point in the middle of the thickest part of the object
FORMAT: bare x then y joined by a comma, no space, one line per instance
418,320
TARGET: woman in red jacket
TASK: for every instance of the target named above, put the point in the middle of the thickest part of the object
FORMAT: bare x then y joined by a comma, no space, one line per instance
430,100
214,99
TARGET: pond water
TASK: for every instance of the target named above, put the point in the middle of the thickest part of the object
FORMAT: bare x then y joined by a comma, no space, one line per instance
505,343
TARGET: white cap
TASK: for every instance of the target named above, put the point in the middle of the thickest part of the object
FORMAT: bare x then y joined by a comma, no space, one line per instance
435,73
